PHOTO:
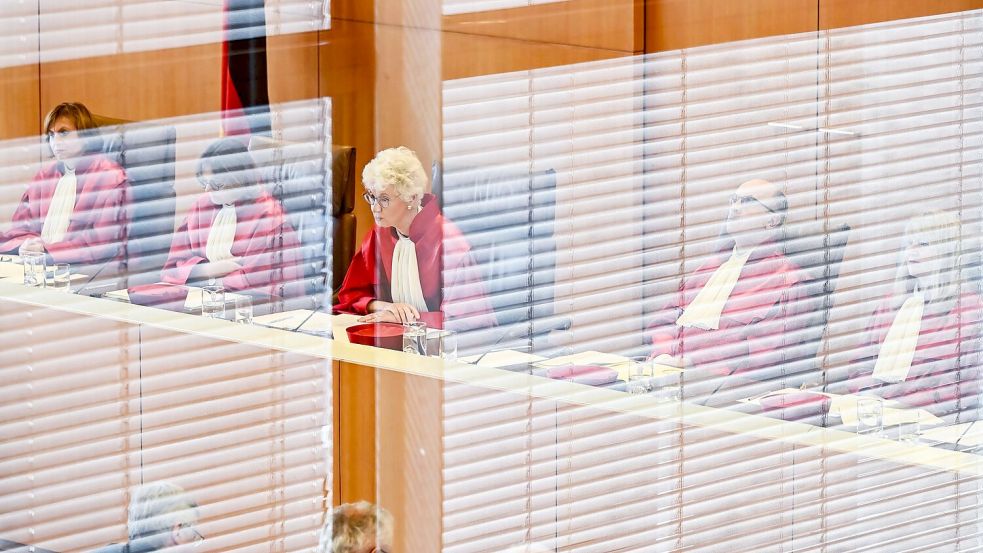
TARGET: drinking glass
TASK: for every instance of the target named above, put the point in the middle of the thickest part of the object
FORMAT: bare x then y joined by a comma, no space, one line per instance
62,277
447,345
908,431
33,269
415,337
213,302
639,376
870,415
668,387
244,309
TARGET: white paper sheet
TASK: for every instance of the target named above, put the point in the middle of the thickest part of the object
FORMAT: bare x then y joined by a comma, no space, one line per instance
502,358
585,358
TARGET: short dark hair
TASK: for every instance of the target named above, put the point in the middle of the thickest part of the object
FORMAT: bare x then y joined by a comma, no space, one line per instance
230,158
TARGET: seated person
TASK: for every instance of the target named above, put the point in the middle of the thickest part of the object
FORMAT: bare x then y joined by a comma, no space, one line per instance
236,234
358,528
161,516
397,273
75,207
728,322
921,344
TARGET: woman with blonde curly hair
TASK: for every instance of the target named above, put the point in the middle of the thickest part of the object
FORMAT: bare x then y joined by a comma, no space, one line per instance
414,264
921,343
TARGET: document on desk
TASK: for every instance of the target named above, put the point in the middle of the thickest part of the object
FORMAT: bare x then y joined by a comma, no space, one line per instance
502,358
318,322
969,434
192,302
585,358
10,268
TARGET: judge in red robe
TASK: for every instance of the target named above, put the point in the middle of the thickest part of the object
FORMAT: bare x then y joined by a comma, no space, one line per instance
236,234
75,207
414,264
921,345
731,320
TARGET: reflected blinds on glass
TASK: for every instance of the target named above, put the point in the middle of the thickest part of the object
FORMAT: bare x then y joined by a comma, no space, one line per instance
454,7
862,129
71,30
95,407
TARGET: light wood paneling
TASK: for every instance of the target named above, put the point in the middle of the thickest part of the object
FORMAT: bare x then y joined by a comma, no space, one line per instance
356,473
473,55
409,427
353,10
292,67
138,86
347,76
846,13
675,24
20,113
605,24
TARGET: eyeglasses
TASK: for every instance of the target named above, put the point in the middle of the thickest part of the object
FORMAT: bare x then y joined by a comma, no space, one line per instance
383,201
210,184
744,201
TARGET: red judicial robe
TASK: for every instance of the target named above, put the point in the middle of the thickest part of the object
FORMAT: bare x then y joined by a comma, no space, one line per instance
265,245
442,253
97,227
762,314
944,374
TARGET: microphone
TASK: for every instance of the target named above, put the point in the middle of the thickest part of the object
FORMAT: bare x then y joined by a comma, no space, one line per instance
318,304
102,268
533,328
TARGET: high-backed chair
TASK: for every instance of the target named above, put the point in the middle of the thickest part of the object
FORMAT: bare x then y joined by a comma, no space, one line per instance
295,174
146,153
508,220
818,251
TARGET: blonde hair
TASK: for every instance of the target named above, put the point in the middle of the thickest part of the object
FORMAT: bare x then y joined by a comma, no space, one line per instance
944,231
354,526
398,168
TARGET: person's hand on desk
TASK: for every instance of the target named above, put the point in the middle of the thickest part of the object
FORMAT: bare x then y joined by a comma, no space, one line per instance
31,245
386,312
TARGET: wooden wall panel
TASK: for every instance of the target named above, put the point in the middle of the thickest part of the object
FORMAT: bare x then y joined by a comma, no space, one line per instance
292,67
347,75
605,24
138,86
353,10
675,24
473,55
409,428
20,111
847,13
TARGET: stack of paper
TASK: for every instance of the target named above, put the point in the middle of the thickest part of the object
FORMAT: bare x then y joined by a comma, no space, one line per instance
318,322
968,434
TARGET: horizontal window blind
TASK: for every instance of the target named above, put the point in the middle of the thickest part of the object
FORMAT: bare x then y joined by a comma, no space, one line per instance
454,7
94,408
862,129
58,30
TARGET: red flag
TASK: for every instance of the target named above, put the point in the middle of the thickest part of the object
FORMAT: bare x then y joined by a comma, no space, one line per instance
245,88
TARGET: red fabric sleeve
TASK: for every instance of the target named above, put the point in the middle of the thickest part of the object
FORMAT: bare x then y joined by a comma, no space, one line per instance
181,258
358,289
104,222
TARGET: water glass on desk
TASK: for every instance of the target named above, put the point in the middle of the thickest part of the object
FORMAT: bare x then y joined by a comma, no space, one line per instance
870,415
213,302
62,277
909,430
34,269
446,343
244,309
639,376
668,387
415,337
